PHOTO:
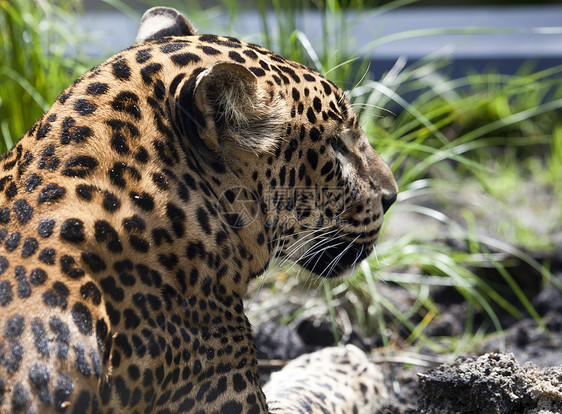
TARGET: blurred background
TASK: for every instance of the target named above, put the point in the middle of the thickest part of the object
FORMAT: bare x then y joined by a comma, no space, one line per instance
465,104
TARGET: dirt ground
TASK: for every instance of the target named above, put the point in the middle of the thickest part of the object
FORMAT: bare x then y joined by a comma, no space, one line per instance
521,374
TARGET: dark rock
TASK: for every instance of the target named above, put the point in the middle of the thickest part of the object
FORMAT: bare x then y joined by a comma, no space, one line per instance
278,342
316,333
491,384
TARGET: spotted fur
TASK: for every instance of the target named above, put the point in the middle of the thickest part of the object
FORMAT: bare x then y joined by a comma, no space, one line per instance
135,212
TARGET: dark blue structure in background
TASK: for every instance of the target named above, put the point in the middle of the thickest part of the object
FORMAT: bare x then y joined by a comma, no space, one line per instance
522,34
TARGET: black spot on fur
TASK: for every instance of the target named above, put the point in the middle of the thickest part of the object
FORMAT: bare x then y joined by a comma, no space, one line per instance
27,160
326,168
186,58
80,166
133,223
75,134
20,397
327,87
257,71
14,326
315,134
13,241
23,210
81,363
57,296
148,72
97,88
121,69
168,261
12,362
177,217
317,104
127,102
160,180
175,83
82,318
45,228
139,244
47,256
293,145
251,54
37,276
110,202
63,97
159,235
32,182
62,336
231,407
4,215
40,337
93,261
90,291
72,230
84,191
84,107
143,200
236,57
143,55
24,290
119,143
203,219
3,264
12,190
311,116
43,131
51,192
67,263
296,94
142,155
172,47
110,287
29,247
132,321
105,233
312,157
39,376
63,390
208,50
116,174
120,125
6,294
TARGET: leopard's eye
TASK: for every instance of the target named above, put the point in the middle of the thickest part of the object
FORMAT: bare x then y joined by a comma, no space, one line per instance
338,145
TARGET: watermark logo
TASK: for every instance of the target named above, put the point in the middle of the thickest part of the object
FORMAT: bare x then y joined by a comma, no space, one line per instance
238,206
286,206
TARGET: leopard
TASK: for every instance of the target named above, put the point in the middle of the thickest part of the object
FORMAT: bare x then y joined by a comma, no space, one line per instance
136,211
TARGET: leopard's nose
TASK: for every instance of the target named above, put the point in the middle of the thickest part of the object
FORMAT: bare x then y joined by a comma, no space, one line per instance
387,201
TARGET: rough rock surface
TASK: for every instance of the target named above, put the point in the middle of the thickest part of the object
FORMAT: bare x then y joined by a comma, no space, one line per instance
490,384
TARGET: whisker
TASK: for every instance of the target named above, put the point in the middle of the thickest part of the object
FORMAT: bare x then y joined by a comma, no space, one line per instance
333,263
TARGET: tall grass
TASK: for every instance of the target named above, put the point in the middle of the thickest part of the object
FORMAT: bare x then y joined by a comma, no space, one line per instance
35,38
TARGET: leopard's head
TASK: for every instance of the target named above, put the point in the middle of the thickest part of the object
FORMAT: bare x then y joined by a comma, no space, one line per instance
291,144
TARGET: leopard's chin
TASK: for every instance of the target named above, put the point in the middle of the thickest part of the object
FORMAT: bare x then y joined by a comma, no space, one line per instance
337,260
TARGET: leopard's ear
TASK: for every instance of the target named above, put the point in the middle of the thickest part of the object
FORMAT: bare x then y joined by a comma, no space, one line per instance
160,22
236,109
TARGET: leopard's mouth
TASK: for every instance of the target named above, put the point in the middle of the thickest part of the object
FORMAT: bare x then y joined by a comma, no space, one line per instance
335,260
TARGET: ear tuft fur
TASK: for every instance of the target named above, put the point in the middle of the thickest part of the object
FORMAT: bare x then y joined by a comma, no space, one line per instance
160,22
239,109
